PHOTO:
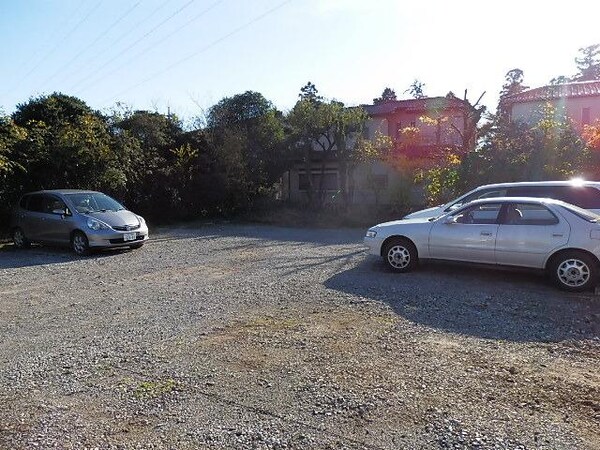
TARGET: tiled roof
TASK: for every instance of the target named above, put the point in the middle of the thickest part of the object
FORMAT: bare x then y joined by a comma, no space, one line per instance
413,104
568,90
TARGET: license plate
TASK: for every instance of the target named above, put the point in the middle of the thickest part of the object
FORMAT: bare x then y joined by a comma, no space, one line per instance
129,237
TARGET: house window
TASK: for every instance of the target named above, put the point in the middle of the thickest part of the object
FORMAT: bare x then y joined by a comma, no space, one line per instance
378,181
330,181
585,116
398,129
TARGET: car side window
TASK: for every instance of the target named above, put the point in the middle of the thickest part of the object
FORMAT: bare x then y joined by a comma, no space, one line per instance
528,214
535,191
481,194
50,203
585,197
36,203
484,214
492,194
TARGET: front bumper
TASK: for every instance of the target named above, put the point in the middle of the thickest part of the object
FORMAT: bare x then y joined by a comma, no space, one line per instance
114,238
374,245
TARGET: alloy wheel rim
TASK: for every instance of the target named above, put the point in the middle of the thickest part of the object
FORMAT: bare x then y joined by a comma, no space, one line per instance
573,272
79,244
399,257
18,238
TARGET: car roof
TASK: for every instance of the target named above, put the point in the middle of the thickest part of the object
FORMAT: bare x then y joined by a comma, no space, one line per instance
574,183
64,191
517,199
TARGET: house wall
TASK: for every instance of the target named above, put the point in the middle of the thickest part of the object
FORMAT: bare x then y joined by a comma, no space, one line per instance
377,182
374,182
291,180
428,131
531,112
376,124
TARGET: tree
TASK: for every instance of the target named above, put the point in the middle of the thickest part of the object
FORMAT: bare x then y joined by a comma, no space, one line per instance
156,132
416,89
559,151
259,128
310,92
559,80
472,113
67,144
10,135
366,151
515,151
387,95
513,83
455,169
145,142
588,63
443,179
327,129
591,136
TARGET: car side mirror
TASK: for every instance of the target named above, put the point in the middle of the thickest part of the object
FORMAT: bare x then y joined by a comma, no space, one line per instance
61,212
450,220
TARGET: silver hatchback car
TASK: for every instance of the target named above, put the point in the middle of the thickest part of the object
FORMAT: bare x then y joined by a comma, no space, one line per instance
85,220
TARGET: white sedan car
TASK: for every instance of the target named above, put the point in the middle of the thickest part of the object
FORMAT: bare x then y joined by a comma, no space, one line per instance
527,232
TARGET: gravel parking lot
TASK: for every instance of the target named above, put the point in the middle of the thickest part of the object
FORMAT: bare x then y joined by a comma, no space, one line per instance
256,337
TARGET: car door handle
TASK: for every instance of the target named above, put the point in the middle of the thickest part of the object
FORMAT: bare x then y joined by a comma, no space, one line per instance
486,233
557,235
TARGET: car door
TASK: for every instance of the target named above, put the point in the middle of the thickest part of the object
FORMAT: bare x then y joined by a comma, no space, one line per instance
467,235
32,220
56,227
528,233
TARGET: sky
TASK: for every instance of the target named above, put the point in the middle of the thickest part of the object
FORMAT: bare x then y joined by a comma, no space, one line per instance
183,56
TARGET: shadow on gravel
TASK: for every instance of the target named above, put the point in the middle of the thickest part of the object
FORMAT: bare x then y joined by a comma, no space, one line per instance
319,236
12,258
486,303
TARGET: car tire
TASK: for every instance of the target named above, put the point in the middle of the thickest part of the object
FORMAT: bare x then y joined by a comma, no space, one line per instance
400,255
19,239
80,243
136,246
574,271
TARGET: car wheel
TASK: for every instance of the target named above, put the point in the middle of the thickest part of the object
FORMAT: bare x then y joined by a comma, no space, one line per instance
19,239
401,255
80,243
136,246
574,271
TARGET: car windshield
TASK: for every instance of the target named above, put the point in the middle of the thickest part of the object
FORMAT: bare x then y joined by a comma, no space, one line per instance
87,202
580,212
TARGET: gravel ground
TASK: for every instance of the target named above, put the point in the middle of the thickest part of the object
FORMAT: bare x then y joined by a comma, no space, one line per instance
255,337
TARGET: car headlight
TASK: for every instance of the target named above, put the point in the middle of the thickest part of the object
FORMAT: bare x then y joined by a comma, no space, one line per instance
141,220
371,233
95,224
